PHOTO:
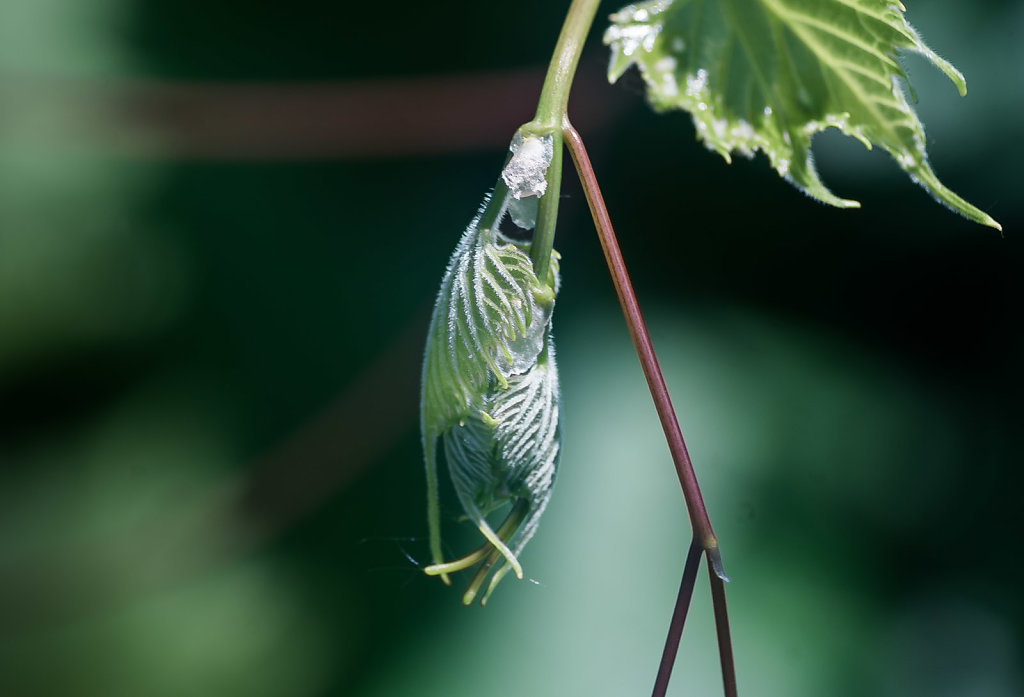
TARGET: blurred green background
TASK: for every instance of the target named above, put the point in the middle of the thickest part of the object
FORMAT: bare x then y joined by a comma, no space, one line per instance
221,229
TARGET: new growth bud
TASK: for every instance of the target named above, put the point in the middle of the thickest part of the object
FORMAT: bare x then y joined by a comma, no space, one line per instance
490,385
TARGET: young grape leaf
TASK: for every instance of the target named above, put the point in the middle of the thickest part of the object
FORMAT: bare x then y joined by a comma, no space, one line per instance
490,399
769,74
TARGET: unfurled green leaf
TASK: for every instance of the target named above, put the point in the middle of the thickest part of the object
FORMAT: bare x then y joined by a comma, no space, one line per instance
769,74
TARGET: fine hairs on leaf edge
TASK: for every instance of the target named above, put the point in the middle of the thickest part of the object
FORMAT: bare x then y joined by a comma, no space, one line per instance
490,385
862,95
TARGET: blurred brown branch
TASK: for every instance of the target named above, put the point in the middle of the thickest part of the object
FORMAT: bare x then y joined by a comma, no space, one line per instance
372,118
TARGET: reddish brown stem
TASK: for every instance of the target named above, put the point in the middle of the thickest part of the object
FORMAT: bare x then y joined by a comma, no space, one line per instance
703,533
722,630
642,341
675,628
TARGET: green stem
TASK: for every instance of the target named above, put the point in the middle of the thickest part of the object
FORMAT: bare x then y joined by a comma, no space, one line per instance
554,96
551,109
547,215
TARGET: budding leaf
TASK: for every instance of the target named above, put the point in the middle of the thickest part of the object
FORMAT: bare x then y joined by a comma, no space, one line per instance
768,74
490,397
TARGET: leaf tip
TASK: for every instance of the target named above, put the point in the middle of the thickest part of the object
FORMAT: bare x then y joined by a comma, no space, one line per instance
991,222
979,216
805,178
918,45
955,76
926,177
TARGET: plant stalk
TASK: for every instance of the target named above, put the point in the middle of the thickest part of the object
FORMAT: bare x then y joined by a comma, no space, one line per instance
554,96
552,120
675,628
551,109
722,630
703,533
547,214
644,348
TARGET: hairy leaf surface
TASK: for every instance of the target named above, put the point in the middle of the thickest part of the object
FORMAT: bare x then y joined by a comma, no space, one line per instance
769,74
488,325
490,396
513,451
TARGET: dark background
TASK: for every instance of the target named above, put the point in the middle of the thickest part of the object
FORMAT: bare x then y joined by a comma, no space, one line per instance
222,226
